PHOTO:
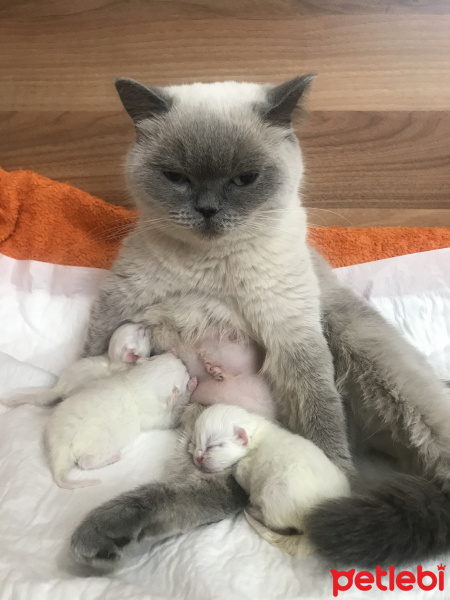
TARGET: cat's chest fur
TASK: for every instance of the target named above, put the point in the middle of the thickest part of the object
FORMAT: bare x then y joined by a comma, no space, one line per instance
255,276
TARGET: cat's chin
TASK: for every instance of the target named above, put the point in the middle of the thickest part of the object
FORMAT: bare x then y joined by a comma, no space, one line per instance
204,232
209,234
210,230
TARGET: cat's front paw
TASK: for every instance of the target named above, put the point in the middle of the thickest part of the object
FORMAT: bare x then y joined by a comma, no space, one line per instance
99,540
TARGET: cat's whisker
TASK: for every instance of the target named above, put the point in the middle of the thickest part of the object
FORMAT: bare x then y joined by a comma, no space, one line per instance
333,213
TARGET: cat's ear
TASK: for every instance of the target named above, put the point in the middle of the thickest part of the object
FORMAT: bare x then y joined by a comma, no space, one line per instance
142,102
283,99
241,436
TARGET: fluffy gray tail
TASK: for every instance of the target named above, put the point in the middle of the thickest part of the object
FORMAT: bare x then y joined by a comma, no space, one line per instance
404,520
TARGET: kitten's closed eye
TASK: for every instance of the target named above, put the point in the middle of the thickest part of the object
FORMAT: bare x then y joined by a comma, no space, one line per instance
245,179
175,177
221,445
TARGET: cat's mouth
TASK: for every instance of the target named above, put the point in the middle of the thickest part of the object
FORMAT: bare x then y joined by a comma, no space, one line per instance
207,227
210,228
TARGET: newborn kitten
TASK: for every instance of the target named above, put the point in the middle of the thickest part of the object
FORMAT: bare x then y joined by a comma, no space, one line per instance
127,343
92,426
284,474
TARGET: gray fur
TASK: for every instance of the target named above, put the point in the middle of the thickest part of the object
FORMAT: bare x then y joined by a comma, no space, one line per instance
188,498
250,258
209,153
140,101
399,521
283,100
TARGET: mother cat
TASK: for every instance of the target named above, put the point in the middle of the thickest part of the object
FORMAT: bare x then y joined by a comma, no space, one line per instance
215,171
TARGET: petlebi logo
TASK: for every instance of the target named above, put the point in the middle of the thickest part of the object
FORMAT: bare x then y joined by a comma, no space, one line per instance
388,580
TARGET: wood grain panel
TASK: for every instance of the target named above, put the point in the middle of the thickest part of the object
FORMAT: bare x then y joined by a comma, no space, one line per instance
380,159
376,146
365,62
86,149
199,9
353,159
375,217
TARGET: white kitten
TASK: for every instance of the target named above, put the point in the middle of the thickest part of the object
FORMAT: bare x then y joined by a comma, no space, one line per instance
92,426
127,344
284,474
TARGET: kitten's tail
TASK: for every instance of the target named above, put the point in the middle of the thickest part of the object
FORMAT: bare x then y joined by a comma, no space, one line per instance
61,463
37,396
295,545
404,520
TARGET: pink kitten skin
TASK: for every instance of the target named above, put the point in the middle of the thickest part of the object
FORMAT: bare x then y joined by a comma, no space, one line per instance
228,372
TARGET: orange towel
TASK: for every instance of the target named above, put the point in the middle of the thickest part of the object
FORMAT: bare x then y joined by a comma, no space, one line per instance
44,220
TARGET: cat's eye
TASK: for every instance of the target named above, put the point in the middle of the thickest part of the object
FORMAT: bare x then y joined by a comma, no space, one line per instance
211,446
245,179
175,177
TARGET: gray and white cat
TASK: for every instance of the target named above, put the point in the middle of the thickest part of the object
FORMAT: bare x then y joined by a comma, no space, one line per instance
215,171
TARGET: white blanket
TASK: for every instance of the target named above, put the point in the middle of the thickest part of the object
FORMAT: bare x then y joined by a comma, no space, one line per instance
43,312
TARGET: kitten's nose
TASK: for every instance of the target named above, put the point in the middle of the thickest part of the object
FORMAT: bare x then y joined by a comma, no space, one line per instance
199,458
207,211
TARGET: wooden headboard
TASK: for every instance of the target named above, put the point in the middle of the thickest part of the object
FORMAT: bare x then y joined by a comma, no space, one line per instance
377,141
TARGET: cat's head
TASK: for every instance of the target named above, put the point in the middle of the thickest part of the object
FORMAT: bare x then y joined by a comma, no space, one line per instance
208,156
220,438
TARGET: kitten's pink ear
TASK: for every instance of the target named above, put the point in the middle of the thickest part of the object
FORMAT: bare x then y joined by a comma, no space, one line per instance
241,434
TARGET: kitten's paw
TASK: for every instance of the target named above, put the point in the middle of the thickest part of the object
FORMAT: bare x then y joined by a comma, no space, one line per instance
129,343
99,539
215,370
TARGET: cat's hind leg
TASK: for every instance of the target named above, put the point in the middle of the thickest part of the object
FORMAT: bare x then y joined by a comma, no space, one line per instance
95,461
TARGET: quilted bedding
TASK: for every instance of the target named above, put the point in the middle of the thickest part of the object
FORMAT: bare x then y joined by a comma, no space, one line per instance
43,311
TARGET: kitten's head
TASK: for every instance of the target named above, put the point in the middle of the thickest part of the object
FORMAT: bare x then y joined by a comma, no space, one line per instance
207,156
220,438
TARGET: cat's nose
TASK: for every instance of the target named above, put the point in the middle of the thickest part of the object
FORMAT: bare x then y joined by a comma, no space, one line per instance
207,211
199,458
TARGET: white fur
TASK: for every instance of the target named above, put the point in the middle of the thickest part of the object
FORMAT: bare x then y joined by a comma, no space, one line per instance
284,474
127,341
92,426
220,96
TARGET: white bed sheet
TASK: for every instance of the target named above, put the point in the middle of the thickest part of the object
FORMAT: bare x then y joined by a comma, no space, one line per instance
43,312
